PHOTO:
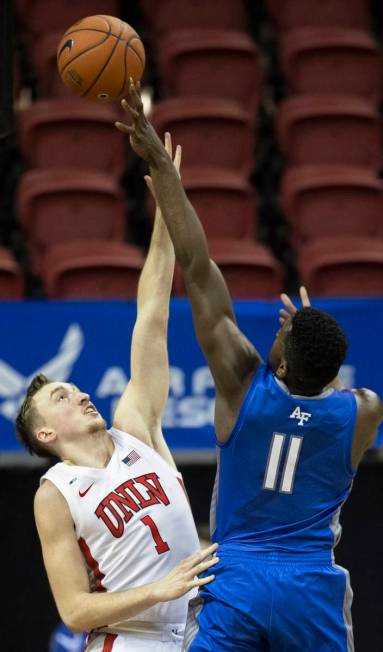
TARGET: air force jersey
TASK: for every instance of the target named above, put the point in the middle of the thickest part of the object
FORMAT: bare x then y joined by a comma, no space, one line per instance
285,470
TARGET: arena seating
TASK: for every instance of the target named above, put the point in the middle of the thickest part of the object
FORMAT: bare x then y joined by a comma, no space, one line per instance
37,18
330,129
331,60
288,14
71,132
11,277
343,266
249,269
321,201
171,15
212,132
196,62
224,201
56,206
92,270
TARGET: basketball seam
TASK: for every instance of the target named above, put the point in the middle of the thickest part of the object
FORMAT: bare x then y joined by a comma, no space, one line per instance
83,52
124,82
135,38
107,61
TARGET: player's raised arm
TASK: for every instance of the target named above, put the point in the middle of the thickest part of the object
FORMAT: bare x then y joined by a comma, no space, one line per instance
141,406
231,357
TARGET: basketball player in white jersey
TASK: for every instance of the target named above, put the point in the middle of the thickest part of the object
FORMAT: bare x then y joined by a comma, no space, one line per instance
119,543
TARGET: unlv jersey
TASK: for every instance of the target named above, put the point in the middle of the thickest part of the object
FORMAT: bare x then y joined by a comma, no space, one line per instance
132,519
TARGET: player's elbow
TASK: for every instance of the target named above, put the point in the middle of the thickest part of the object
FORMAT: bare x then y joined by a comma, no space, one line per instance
75,618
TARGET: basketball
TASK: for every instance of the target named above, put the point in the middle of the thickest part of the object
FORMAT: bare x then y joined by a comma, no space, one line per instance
97,55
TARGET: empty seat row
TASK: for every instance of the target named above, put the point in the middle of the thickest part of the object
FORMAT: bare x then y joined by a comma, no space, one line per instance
334,200
289,14
329,267
331,60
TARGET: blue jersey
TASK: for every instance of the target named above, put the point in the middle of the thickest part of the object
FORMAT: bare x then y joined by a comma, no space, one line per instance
285,470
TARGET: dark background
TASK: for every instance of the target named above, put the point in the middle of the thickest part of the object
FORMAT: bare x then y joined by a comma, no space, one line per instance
28,614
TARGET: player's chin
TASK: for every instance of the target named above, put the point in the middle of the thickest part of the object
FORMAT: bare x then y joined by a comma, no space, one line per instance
96,423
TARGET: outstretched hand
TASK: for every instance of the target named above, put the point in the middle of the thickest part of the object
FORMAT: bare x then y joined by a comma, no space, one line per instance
290,309
142,135
176,160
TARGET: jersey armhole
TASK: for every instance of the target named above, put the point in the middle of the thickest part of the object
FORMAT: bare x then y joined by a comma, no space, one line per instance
244,407
349,440
59,488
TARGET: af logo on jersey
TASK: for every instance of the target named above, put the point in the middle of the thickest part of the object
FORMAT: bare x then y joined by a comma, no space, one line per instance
301,416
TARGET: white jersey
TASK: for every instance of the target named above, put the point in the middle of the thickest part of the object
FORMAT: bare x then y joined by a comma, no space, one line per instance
133,521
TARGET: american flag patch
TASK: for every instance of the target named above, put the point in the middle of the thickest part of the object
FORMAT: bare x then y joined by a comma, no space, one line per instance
131,458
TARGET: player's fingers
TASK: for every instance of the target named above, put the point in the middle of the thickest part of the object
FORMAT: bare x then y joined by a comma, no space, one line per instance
284,314
304,297
202,580
126,129
168,144
282,320
149,183
288,303
204,565
134,92
201,555
130,109
177,158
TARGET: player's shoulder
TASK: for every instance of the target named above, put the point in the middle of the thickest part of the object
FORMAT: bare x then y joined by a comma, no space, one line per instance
48,498
369,403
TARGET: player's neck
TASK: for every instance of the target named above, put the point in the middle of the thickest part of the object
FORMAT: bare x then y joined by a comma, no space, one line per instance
95,451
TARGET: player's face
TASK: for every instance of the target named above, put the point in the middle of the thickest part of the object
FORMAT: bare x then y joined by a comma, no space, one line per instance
277,350
67,411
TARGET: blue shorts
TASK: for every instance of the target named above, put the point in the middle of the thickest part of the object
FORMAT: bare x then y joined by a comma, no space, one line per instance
272,602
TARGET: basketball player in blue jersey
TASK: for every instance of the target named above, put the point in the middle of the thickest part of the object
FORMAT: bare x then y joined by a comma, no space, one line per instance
289,441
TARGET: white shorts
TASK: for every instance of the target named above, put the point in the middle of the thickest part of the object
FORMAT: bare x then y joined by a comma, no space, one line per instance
166,638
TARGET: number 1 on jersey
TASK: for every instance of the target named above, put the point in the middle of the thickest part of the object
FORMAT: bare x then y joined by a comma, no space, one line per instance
161,545
274,460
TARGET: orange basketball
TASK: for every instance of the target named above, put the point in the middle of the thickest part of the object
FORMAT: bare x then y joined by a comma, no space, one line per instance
97,56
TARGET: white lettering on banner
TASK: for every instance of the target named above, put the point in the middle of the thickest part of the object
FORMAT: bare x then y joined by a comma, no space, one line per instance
113,381
183,410
177,381
202,380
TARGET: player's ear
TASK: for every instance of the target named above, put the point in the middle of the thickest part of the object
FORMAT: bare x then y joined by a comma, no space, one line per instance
281,372
45,435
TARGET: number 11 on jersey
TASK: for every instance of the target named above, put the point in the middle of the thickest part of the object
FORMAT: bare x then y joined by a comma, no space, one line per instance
274,460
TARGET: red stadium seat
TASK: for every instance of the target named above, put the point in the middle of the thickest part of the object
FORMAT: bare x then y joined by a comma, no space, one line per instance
215,132
206,62
43,53
43,16
11,278
343,266
57,206
288,14
330,129
72,133
92,270
321,201
331,60
223,200
171,15
249,269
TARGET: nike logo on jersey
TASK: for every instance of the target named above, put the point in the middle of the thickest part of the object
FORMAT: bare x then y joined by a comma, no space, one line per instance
301,416
83,493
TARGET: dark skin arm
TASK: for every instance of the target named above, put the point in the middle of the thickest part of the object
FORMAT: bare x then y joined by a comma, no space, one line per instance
230,355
